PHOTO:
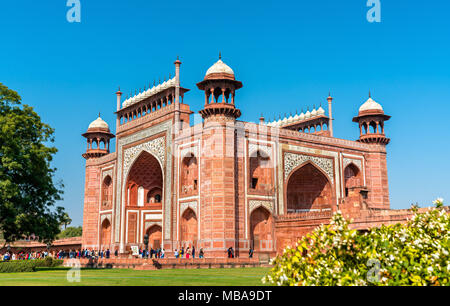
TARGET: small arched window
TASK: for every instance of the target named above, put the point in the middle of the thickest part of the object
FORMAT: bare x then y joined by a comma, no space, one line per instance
189,175
107,192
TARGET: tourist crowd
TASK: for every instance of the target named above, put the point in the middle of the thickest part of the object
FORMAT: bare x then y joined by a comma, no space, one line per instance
95,254
23,255
158,253
61,254
188,253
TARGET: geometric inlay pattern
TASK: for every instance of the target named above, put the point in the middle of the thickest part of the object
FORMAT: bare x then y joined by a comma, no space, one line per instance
186,205
105,216
293,160
149,224
189,152
253,148
105,173
156,147
253,204
356,162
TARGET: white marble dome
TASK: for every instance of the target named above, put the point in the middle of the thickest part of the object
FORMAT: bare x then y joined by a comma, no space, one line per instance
320,111
370,104
98,124
219,67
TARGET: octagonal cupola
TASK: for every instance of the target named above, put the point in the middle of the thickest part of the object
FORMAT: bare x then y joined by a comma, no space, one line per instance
98,138
371,118
220,85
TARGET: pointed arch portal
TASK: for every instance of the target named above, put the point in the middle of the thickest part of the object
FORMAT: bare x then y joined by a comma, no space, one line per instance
145,174
308,189
352,180
143,191
154,236
105,236
261,229
189,228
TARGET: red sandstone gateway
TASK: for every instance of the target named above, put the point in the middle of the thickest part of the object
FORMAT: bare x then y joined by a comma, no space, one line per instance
225,183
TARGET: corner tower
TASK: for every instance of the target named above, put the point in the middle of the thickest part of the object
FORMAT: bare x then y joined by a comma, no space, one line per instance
98,137
371,120
219,201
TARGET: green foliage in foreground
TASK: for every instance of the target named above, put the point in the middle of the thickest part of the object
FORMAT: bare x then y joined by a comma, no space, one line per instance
71,231
416,253
28,265
129,277
28,194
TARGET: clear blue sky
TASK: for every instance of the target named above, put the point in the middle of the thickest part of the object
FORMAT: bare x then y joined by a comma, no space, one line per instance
288,54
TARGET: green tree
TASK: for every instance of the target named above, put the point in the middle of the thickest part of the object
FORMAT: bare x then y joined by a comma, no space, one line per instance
27,191
415,253
71,231
65,220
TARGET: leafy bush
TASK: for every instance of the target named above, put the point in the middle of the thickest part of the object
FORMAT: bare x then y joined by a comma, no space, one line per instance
28,265
49,262
71,231
415,253
17,266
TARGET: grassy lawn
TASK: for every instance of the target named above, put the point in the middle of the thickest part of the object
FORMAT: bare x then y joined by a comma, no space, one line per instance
128,277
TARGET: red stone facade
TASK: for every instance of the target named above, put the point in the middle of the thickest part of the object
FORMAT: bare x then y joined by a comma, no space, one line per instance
220,182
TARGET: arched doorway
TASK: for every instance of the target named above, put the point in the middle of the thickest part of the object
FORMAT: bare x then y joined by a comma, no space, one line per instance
261,229
154,195
145,174
352,178
308,189
107,191
105,236
154,236
144,191
189,176
189,228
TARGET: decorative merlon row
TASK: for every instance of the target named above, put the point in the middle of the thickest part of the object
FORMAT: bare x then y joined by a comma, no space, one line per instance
149,92
298,118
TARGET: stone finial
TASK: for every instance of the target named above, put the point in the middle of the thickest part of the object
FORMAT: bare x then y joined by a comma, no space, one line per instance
329,96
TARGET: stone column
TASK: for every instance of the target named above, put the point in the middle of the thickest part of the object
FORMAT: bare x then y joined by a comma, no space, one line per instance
177,95
330,114
223,95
